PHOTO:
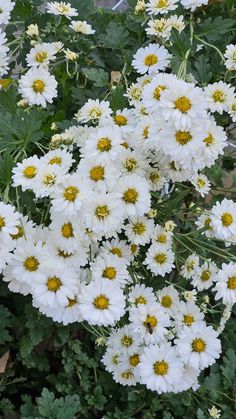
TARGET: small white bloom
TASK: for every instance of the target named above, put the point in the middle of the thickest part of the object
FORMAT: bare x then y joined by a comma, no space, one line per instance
61,8
151,59
83,27
159,259
225,286
38,87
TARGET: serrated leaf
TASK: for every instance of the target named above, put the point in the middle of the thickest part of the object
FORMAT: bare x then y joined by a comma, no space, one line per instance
116,36
6,165
117,99
97,75
5,322
214,29
202,70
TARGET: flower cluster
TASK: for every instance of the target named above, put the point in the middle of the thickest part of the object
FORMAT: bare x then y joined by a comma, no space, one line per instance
105,252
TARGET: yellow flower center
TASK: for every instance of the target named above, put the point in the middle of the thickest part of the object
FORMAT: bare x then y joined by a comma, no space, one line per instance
205,275
166,301
161,368
41,56
64,254
63,8
183,137
134,360
233,107
219,96
102,212
133,248
95,113
160,258
208,140
231,283
140,300
109,273
55,160
161,238
67,230
115,360
101,302
2,223
116,251
154,176
130,164
207,224
188,319
139,228
227,219
30,172
201,183
31,264
157,92
146,132
71,302
198,345
120,120
162,4
183,104
151,59
150,322
125,145
38,86
127,375
97,173
54,283
49,179
190,265
18,235
70,193
104,144
130,196
126,340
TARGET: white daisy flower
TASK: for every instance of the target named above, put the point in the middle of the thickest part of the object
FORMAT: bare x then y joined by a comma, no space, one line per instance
161,236
190,265
223,219
4,60
103,144
81,26
94,111
124,119
111,359
159,27
168,297
159,259
13,284
32,30
150,322
55,286
41,55
24,173
9,219
101,175
176,22
198,345
124,340
219,96
189,380
215,142
108,267
151,59
225,286
155,179
102,303
187,314
204,276
58,157
193,4
139,230
134,193
70,313
230,55
47,179
160,368
125,375
5,254
117,247
152,92
139,294
134,93
6,6
38,87
61,8
69,234
204,221
201,184
69,195
232,110
182,103
155,7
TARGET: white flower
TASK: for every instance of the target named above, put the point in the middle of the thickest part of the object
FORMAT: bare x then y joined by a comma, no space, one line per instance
160,368
139,294
70,55
32,30
193,4
24,173
190,295
111,359
219,96
41,55
182,103
150,321
188,380
215,141
162,236
139,230
58,157
9,219
61,8
186,314
176,22
69,313
134,193
159,259
204,276
125,375
55,286
119,248
214,412
232,110
201,184
225,286
168,298
47,179
81,26
159,27
38,87
103,144
230,55
124,340
101,175
102,303
6,6
152,92
108,267
93,110
223,219
198,345
154,7
151,59
68,233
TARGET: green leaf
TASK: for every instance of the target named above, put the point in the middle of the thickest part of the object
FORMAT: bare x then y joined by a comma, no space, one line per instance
214,29
45,404
228,369
202,70
5,322
6,165
99,76
116,36
117,99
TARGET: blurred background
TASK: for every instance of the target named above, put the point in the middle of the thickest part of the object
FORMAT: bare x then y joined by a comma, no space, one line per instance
110,3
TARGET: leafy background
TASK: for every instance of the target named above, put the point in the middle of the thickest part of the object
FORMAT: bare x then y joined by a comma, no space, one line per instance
53,371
